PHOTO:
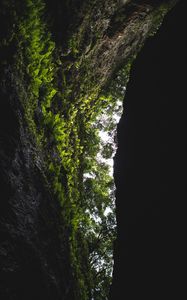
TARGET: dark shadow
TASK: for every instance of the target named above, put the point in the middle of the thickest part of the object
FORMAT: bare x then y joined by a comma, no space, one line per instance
150,170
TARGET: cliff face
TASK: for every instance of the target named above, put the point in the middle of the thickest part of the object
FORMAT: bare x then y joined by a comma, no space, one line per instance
34,254
150,170
50,86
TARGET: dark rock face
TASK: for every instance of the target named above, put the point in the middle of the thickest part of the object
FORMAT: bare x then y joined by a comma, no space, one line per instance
30,221
150,170
34,249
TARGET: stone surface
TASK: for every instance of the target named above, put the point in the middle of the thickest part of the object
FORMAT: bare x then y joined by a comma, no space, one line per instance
34,253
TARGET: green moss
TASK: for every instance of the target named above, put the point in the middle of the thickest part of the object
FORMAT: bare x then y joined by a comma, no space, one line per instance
56,132
63,120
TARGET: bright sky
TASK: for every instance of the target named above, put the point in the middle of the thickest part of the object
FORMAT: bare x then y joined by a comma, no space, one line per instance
106,138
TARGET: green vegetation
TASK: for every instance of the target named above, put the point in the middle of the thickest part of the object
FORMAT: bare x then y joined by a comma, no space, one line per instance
64,124
65,110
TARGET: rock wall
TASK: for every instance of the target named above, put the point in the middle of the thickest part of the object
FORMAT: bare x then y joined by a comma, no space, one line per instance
33,252
34,238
